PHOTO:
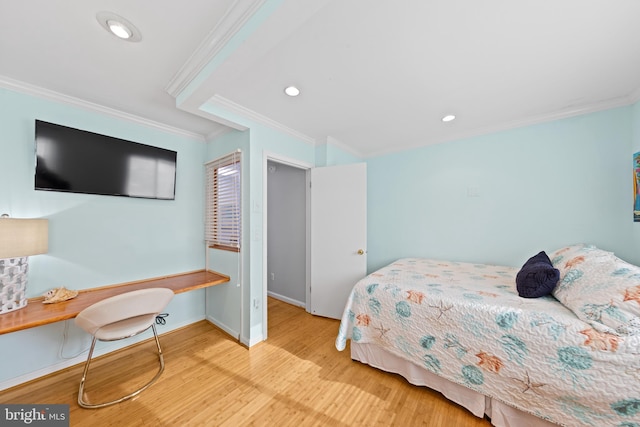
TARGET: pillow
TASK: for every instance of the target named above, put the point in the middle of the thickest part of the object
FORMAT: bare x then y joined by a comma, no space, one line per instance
599,288
537,277
569,256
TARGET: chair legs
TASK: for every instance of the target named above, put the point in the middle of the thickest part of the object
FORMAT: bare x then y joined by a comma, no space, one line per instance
88,405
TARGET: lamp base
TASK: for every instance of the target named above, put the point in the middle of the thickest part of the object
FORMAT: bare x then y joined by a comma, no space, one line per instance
13,284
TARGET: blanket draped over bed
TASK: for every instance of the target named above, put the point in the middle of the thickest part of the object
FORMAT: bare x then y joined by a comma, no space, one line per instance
466,323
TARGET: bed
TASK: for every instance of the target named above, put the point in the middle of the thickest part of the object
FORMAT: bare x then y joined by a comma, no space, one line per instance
571,358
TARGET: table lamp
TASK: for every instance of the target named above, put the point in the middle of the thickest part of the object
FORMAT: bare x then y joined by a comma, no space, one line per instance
19,238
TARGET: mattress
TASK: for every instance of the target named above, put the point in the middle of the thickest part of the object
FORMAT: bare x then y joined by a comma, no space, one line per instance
465,323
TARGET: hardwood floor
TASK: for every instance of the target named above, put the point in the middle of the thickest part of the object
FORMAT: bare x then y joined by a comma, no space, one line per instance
296,377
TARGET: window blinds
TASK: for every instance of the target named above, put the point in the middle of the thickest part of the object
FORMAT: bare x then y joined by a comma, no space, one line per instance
222,210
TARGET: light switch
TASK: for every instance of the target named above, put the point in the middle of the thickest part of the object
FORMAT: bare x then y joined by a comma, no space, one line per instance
473,191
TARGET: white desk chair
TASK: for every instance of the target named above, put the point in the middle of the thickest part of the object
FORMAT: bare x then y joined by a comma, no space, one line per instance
122,316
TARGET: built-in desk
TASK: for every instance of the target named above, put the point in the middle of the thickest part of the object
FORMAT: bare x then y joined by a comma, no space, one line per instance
37,314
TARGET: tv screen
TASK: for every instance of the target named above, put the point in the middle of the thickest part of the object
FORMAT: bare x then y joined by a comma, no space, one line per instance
78,161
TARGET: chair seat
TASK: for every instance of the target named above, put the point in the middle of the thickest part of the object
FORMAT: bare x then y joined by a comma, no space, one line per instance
122,316
125,328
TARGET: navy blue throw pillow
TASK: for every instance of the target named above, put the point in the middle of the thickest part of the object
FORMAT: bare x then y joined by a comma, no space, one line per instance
537,277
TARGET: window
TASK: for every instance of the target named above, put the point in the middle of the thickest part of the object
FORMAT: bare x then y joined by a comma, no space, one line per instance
223,214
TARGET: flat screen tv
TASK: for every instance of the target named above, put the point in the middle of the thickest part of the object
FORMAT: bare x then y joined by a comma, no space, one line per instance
78,161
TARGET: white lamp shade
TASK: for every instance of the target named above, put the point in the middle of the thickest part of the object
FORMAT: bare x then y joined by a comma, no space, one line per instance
23,237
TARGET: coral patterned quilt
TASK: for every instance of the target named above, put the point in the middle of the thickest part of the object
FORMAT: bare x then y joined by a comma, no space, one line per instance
466,323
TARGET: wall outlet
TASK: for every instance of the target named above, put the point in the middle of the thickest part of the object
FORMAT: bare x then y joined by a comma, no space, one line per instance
273,276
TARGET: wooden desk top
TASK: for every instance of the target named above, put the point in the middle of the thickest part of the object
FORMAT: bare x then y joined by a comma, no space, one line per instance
37,314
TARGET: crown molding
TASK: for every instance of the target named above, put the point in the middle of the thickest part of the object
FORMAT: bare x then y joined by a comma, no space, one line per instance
344,147
565,113
40,92
634,96
217,133
234,19
258,118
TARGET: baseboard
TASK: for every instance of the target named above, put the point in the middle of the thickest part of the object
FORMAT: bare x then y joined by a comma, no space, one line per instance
250,343
42,372
256,336
81,359
256,332
286,299
229,330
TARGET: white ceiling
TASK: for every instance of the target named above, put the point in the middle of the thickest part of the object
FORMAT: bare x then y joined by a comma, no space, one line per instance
376,76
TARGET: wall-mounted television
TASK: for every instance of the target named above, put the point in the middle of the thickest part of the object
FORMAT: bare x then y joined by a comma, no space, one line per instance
78,161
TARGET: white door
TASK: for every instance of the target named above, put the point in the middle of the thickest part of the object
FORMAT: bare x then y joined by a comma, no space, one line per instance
338,235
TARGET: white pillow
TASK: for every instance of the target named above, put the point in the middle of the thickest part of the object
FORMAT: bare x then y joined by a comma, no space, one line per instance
599,288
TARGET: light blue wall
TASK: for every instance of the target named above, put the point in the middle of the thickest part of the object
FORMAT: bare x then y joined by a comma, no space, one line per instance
263,141
539,187
224,301
330,155
96,240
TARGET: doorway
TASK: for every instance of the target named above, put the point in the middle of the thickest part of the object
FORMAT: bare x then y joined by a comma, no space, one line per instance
338,244
286,232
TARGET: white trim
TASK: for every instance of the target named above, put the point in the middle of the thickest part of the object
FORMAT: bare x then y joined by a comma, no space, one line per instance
51,95
257,337
50,369
308,237
237,150
286,299
634,96
227,329
258,118
266,157
514,124
289,161
237,15
344,147
42,372
217,132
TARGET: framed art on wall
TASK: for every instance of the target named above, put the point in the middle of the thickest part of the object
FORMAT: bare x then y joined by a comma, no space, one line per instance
636,187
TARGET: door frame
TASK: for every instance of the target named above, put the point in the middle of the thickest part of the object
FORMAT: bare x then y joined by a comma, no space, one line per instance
274,157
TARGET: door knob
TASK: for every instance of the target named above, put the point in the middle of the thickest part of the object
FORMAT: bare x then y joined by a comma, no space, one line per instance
360,251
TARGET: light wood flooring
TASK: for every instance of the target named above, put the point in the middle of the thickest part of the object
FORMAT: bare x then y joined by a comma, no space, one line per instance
294,378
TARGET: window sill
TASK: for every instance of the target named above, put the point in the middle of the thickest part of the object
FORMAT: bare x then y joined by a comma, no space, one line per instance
224,248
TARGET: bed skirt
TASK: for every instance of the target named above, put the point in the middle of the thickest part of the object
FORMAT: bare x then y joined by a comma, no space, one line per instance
501,415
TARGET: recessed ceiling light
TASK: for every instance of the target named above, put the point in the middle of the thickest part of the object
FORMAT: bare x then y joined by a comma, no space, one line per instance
119,29
118,26
448,118
292,91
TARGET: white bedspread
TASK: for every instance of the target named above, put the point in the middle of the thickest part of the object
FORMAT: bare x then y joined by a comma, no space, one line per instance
466,323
